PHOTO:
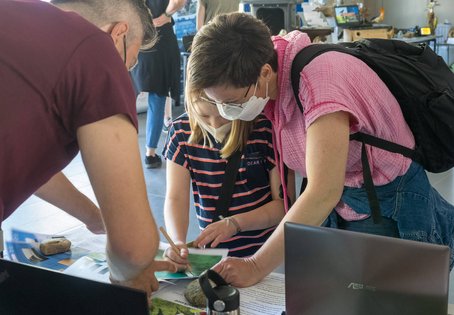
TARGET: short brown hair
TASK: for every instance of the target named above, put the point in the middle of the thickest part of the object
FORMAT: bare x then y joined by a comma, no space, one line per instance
230,50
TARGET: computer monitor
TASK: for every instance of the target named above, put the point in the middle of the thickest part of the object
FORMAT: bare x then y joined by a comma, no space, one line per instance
347,15
274,18
330,271
26,289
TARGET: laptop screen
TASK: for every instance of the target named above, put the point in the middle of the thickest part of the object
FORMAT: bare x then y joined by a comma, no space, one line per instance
330,271
26,289
347,15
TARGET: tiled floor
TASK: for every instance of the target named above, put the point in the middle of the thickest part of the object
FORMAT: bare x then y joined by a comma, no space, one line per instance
40,217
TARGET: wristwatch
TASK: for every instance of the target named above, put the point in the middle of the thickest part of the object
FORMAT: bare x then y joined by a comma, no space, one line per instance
167,14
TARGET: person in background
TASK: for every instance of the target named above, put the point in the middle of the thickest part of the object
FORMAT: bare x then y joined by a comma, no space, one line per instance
208,9
158,73
198,146
167,115
340,95
64,88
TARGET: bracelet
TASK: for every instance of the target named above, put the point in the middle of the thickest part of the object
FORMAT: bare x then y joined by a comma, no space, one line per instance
167,14
235,223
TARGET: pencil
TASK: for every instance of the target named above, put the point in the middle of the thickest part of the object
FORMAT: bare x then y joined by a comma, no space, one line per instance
173,245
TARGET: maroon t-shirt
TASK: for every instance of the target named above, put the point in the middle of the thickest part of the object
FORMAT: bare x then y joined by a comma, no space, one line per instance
57,72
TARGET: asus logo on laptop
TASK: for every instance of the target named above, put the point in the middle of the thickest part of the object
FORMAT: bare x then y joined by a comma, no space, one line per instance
360,286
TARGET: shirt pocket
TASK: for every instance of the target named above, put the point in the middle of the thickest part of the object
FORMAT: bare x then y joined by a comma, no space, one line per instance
256,172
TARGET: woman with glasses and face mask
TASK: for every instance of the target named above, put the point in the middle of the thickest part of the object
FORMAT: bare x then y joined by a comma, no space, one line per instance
244,71
198,146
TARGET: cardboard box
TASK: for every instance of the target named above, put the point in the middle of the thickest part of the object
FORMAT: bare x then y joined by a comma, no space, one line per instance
351,35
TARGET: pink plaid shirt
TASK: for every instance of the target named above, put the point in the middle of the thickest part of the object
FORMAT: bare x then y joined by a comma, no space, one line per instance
337,82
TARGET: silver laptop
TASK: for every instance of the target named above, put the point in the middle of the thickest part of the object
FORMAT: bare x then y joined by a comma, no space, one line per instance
336,272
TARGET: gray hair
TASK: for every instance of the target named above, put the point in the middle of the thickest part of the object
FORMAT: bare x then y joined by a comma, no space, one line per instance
103,12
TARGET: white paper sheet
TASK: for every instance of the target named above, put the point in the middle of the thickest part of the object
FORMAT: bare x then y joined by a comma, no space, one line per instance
23,246
89,268
265,298
83,238
201,259
208,251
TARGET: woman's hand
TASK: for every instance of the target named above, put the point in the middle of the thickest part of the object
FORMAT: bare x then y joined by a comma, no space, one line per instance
216,233
239,272
180,259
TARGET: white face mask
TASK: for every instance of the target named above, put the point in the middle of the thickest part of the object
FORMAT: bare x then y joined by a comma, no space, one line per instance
220,133
247,111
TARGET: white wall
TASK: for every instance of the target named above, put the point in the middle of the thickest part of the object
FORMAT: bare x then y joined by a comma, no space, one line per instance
408,13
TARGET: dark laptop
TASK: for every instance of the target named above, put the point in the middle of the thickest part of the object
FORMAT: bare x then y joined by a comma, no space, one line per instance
330,271
26,289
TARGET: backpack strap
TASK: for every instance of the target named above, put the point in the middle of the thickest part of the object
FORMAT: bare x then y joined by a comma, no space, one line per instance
281,187
367,177
228,185
369,186
384,144
303,58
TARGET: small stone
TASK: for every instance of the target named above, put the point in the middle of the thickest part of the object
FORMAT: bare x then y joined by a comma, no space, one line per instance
194,294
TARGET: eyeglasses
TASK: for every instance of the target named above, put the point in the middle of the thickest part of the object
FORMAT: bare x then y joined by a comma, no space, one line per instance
226,104
124,55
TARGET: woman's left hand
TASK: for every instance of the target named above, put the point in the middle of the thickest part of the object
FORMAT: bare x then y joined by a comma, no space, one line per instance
239,272
216,233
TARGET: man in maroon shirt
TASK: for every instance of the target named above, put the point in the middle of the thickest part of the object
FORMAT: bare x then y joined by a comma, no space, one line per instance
64,87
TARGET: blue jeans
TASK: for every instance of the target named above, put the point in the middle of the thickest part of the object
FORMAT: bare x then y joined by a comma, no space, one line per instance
411,209
155,119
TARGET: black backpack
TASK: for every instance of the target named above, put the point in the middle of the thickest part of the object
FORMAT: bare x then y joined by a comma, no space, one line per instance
423,85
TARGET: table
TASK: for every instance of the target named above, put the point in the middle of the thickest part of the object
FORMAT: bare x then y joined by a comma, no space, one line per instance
420,39
267,298
357,33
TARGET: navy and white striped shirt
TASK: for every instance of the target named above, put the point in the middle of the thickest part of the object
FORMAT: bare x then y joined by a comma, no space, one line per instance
207,168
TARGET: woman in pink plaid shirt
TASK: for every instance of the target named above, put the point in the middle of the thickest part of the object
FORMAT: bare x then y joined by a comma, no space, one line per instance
244,72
